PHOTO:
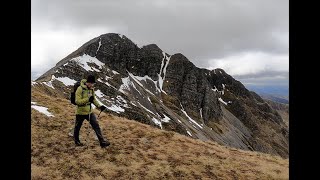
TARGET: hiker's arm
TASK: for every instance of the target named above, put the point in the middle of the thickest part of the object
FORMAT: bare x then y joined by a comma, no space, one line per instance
79,100
95,102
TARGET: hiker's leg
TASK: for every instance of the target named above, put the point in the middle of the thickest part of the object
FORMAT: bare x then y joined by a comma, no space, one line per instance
78,124
95,126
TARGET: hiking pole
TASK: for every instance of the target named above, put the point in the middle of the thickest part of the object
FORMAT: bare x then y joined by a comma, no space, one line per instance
99,113
89,113
88,131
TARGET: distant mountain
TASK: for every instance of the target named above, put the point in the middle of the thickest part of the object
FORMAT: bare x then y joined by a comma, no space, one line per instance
274,93
171,93
275,98
282,91
283,109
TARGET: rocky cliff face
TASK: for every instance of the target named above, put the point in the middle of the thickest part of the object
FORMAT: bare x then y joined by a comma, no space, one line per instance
171,93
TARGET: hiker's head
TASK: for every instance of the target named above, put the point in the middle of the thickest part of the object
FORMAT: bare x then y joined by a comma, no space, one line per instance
91,80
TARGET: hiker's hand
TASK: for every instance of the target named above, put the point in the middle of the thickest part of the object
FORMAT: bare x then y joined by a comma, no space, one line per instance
91,99
102,108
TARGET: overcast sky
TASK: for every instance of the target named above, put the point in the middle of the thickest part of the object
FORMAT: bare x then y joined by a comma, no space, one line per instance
249,39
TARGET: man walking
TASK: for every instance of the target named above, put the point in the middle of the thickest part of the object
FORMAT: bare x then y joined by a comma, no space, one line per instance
84,97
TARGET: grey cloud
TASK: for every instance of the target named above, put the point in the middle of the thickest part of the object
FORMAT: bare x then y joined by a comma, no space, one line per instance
201,30
264,74
198,29
264,78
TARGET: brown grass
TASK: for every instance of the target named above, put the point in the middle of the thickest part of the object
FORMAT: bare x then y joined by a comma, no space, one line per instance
137,151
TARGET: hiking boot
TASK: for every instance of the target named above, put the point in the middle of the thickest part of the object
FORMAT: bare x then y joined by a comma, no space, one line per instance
104,144
78,143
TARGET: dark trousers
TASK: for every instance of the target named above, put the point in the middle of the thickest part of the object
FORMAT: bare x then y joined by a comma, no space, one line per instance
94,124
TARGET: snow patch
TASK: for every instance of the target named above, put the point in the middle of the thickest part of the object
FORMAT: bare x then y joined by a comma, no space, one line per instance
33,83
98,46
43,110
166,118
85,59
163,69
66,81
95,69
191,119
99,93
201,113
189,133
115,108
134,86
115,72
125,84
162,63
160,80
107,78
120,98
49,84
221,100
157,122
135,78
33,102
145,108
223,87
122,101
106,83
215,89
181,106
144,78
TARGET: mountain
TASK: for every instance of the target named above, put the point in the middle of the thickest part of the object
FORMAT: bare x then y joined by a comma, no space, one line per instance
171,93
272,92
275,98
137,150
281,108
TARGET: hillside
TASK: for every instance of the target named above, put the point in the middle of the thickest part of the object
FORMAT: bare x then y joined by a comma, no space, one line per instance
137,151
169,92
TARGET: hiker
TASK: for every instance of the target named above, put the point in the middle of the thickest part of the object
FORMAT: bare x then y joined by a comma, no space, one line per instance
84,96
